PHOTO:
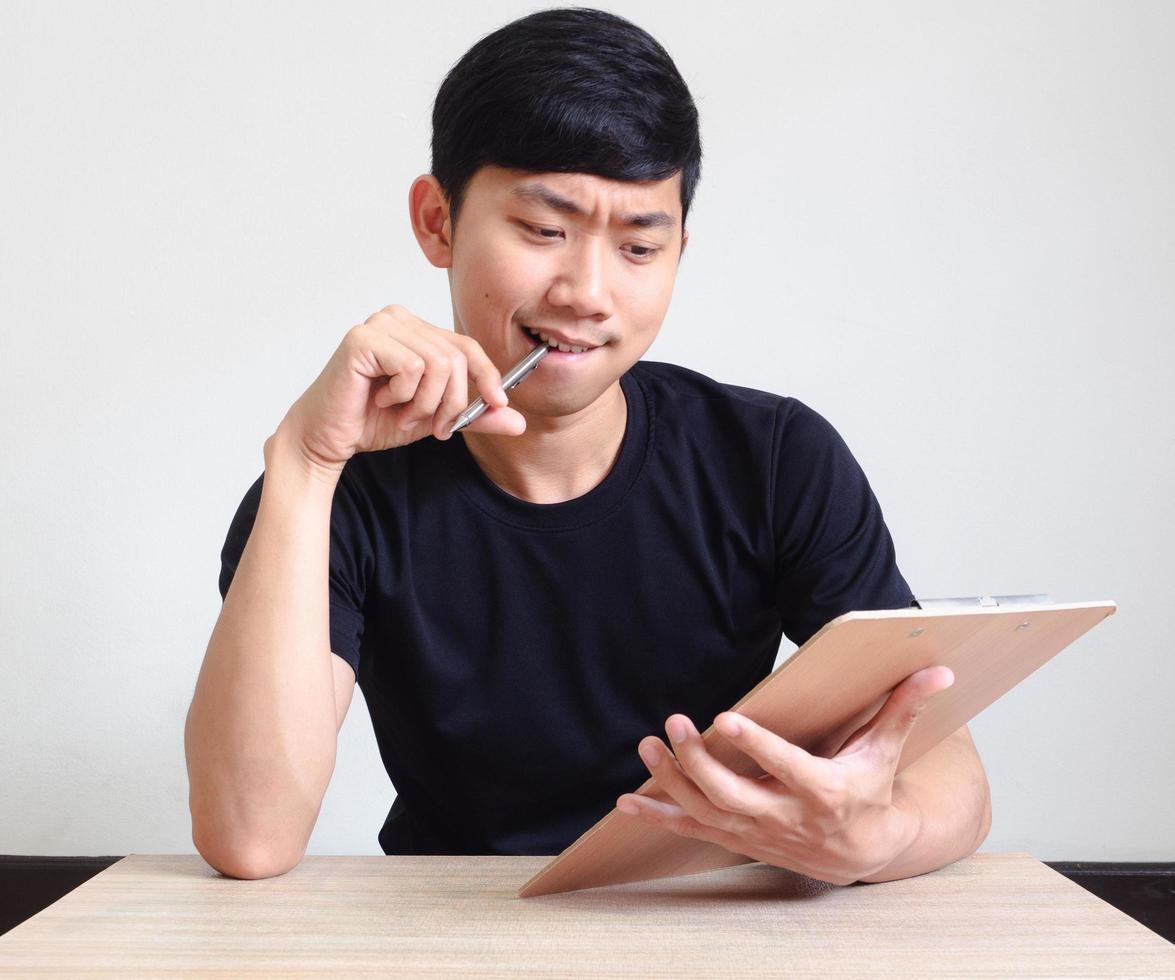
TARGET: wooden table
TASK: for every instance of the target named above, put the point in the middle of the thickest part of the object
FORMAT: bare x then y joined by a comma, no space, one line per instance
990,915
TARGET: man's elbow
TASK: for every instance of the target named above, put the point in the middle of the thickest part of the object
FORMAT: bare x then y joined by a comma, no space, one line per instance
985,821
246,863
983,788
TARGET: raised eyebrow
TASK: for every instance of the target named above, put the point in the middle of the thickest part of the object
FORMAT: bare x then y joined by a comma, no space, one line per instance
544,195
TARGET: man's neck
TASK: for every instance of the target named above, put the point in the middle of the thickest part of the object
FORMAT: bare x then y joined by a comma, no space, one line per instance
556,458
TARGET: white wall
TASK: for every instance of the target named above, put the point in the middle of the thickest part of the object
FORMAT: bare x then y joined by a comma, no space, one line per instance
946,226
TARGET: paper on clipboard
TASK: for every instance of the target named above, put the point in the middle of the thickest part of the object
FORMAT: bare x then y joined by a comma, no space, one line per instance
831,686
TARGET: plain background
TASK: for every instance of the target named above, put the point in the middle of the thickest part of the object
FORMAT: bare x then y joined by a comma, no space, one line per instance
948,227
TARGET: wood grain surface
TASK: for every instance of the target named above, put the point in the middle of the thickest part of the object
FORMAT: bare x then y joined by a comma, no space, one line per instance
430,916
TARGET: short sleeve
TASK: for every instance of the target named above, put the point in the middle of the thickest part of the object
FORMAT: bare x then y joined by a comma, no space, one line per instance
350,554
833,552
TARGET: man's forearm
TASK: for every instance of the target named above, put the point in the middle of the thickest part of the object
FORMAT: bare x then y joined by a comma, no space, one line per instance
946,790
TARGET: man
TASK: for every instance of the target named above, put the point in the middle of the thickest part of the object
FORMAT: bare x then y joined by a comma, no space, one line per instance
616,550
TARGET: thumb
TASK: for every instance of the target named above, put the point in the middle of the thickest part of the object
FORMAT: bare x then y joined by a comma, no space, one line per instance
891,727
500,419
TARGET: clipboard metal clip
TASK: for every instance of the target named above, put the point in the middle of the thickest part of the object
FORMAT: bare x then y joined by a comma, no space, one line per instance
967,602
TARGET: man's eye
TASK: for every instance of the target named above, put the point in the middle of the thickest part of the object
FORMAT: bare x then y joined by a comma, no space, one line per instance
639,251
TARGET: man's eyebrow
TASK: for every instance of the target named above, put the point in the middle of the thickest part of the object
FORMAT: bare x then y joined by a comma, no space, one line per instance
544,195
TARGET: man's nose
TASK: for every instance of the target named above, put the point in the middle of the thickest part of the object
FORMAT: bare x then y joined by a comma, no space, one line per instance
584,280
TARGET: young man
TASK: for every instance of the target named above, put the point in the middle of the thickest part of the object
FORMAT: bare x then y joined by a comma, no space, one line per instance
615,551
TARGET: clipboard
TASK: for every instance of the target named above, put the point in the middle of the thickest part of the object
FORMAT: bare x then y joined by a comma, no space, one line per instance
831,686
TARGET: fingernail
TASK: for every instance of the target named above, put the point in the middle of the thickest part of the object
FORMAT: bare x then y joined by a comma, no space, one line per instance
677,730
650,752
627,806
728,726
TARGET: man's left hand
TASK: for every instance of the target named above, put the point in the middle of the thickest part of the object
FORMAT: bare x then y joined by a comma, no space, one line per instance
831,819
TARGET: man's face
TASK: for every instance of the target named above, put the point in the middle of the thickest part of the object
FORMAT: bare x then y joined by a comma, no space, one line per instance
588,259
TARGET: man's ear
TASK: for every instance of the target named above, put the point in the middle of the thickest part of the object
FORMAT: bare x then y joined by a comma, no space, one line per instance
429,210
684,239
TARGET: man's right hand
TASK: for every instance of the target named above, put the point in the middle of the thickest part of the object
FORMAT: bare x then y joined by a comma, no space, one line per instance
394,379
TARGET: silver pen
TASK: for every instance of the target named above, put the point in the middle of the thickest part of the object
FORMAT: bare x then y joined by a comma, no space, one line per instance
509,380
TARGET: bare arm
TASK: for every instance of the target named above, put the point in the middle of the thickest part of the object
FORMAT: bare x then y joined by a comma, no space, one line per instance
948,788
261,732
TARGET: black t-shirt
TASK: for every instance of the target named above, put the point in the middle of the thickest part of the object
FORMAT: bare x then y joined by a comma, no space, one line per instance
513,654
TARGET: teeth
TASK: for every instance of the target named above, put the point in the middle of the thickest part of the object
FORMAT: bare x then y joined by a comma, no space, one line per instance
552,342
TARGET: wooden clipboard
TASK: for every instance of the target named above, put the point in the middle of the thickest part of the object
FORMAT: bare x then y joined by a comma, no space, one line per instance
831,686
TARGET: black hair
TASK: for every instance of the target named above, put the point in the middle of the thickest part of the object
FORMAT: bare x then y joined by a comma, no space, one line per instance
571,90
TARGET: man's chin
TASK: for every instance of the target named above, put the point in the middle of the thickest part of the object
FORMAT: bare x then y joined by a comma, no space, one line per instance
564,401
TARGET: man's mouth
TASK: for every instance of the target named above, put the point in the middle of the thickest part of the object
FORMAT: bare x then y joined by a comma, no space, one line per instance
537,337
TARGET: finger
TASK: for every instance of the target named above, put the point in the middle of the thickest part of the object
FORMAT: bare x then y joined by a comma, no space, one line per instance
454,399
432,386
507,421
403,367
886,735
486,377
802,773
670,777
726,790
674,818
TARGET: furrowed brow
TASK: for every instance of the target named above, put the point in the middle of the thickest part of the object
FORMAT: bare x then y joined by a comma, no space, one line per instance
542,194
